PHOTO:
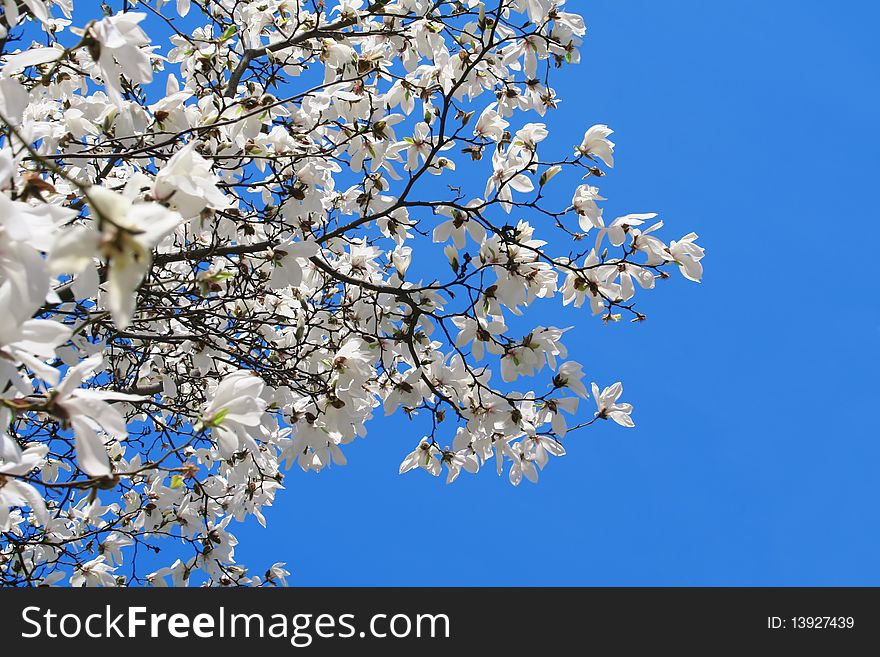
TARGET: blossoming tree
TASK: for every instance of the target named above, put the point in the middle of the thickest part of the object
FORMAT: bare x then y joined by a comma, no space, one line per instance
227,245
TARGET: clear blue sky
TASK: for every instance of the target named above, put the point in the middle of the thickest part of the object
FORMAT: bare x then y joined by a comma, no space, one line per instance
756,455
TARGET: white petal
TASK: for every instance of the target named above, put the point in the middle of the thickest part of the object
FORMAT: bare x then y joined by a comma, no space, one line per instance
91,455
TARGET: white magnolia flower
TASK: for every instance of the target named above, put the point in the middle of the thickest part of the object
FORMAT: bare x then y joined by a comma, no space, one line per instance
277,573
570,376
188,183
593,282
553,412
584,203
522,463
31,343
15,463
124,233
649,244
417,147
13,99
425,456
619,228
687,256
490,125
510,174
455,462
597,144
537,9
401,258
289,261
24,284
24,280
235,411
336,54
179,572
458,228
530,135
479,334
30,57
37,7
628,273
113,545
96,572
119,49
541,448
606,401
90,416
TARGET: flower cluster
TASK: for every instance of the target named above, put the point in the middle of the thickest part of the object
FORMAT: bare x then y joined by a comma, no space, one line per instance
223,253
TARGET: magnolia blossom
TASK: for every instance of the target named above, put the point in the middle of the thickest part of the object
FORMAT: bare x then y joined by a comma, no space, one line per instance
618,229
235,411
90,416
458,228
554,412
569,376
277,574
530,135
490,125
596,144
288,263
592,283
15,463
178,572
25,281
584,204
608,408
455,462
687,256
118,49
418,147
188,184
32,343
478,333
541,448
509,176
96,572
522,463
37,7
124,233
425,456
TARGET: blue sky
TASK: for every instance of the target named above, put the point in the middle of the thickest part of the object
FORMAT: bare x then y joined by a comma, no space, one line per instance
756,455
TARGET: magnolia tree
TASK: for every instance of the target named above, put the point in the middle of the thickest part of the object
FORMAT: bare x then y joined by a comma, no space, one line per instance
232,232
